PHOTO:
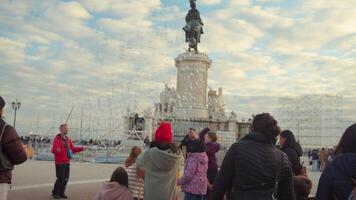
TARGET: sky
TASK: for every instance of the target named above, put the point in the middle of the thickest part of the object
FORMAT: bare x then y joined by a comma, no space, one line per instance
90,55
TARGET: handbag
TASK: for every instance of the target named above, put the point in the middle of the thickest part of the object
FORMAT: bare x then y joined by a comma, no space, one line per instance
5,164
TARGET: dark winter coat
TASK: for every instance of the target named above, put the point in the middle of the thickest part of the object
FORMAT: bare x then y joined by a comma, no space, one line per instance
188,142
211,149
252,165
314,155
337,178
293,154
13,149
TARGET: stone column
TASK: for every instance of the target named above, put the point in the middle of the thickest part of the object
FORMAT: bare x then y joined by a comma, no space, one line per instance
192,78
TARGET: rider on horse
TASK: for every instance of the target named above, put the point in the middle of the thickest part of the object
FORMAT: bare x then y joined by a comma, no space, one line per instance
194,27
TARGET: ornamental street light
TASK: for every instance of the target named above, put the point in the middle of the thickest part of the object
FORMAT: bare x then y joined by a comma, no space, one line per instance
15,105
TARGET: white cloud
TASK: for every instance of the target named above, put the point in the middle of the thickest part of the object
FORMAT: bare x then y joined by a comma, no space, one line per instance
11,51
210,2
74,10
239,2
65,53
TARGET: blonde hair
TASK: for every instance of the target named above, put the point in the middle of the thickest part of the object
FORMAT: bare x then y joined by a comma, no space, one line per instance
135,152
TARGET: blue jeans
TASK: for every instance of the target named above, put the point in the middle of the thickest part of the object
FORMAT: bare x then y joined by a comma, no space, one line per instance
189,196
315,165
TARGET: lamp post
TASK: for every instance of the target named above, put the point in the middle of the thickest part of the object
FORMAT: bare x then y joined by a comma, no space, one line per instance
15,105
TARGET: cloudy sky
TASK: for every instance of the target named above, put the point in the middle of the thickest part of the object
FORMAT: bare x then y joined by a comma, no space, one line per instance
58,54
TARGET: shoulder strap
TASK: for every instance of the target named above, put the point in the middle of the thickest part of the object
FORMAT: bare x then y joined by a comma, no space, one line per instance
3,130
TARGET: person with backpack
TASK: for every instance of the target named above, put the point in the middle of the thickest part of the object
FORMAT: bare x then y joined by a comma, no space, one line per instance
194,181
293,150
11,153
254,168
338,179
135,175
160,164
63,150
117,188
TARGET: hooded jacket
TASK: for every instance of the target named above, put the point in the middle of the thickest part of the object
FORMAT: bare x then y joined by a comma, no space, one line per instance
293,153
113,191
194,179
251,166
160,168
211,148
337,178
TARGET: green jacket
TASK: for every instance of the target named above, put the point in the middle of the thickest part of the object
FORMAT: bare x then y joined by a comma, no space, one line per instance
160,168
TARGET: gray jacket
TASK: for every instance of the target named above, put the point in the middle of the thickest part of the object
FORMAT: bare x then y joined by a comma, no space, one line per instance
160,168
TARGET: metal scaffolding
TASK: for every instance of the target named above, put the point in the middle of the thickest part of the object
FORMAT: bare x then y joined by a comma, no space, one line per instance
316,120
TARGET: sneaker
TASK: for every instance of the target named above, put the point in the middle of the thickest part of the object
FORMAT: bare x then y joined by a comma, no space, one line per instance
56,197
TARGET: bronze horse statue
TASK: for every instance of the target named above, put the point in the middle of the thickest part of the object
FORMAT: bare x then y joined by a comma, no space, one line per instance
194,27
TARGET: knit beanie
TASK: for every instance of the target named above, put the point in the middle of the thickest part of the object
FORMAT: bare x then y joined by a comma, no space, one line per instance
164,133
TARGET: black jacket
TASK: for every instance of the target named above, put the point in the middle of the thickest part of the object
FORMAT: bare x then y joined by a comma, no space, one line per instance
293,154
252,164
337,178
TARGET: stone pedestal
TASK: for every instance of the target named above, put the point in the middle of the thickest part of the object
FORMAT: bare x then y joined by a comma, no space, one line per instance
192,78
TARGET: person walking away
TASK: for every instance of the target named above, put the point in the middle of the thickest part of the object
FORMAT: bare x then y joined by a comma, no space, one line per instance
254,168
11,151
293,150
63,150
338,179
211,148
116,188
302,187
160,163
194,181
323,158
315,160
135,175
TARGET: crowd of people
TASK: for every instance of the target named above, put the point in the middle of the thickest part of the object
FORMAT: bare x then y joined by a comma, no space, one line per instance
254,168
319,159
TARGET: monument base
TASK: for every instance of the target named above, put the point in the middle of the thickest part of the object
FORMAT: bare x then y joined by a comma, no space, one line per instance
191,113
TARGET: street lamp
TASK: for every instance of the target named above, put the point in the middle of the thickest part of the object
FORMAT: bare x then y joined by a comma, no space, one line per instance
15,105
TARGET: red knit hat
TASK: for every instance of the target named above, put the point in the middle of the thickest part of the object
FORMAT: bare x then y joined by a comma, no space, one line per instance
164,133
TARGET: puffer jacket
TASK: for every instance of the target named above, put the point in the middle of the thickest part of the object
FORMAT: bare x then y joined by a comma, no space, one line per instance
12,148
250,169
337,178
194,179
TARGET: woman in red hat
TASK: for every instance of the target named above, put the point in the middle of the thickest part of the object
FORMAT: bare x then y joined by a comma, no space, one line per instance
160,163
